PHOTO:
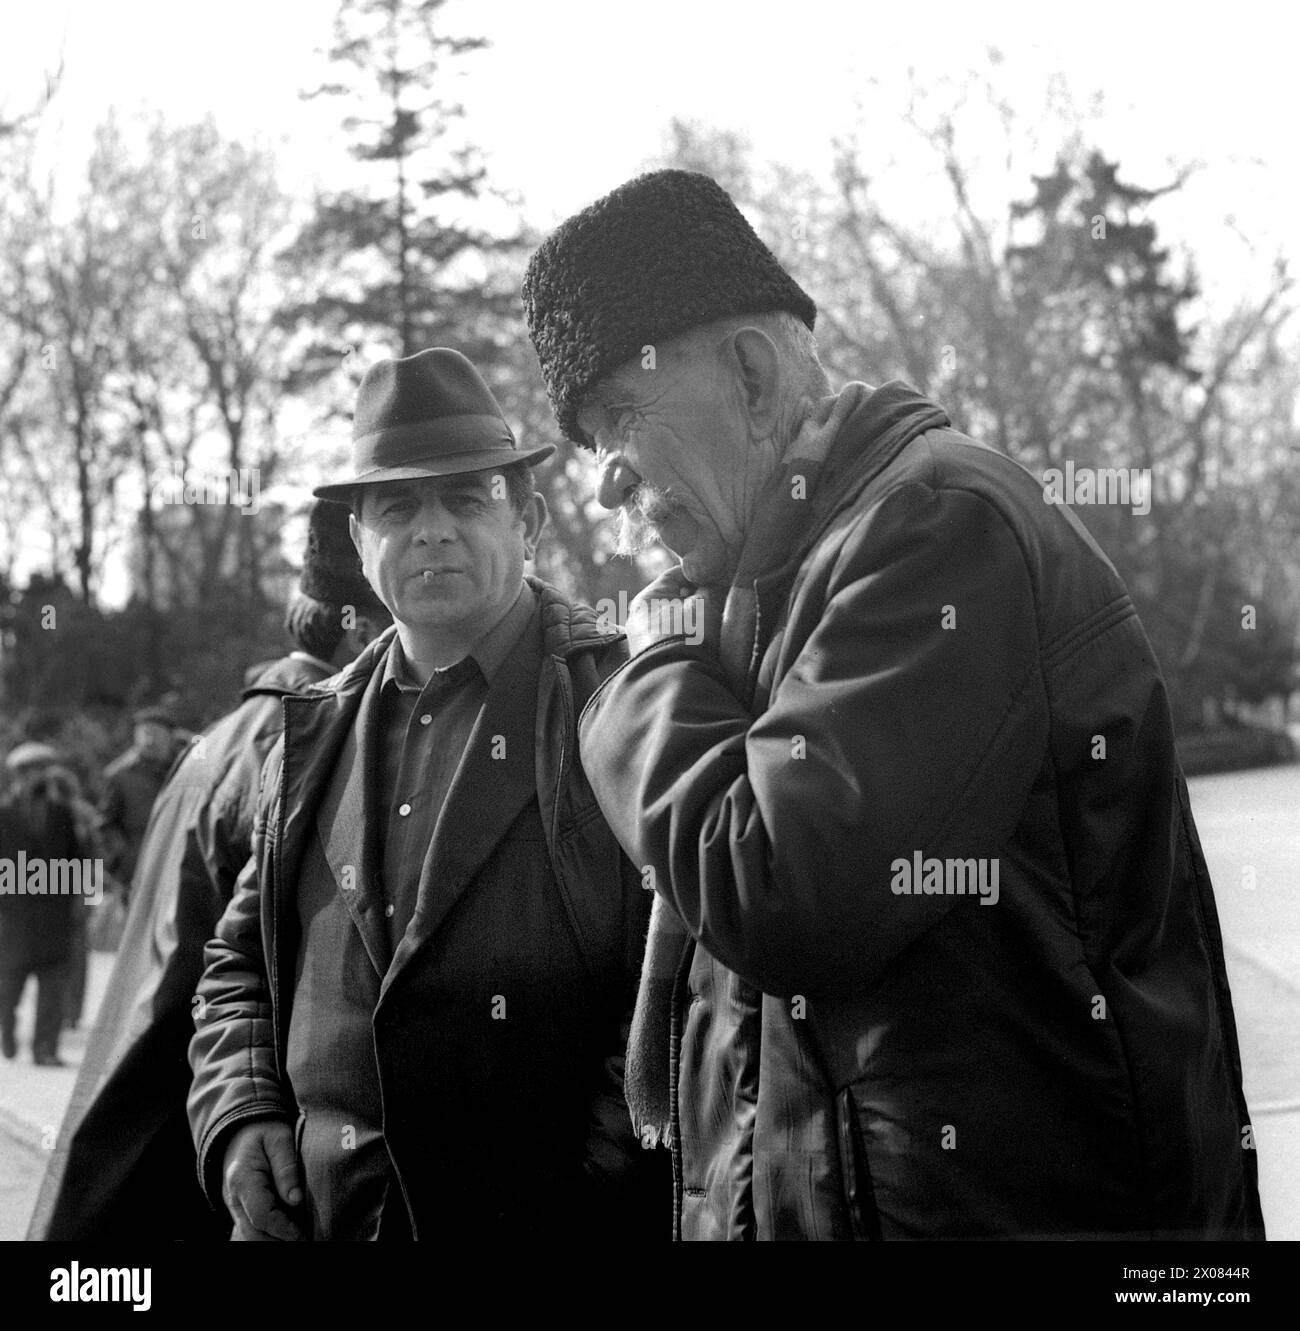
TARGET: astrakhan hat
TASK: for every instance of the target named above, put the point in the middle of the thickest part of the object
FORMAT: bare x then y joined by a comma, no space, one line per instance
664,253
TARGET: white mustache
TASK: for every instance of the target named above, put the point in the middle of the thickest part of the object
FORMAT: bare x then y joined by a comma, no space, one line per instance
638,519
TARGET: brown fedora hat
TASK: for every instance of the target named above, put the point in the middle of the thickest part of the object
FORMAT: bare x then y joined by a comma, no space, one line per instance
429,414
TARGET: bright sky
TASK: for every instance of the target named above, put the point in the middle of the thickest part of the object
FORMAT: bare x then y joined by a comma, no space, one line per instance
573,96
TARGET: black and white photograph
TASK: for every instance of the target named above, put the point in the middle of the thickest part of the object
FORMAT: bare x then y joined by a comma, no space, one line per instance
625,625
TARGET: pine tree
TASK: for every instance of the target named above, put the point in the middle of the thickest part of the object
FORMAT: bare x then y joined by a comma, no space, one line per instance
409,268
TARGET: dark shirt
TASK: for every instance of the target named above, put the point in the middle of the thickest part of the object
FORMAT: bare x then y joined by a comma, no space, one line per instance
423,732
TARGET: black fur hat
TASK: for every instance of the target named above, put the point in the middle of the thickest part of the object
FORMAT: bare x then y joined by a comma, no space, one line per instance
661,254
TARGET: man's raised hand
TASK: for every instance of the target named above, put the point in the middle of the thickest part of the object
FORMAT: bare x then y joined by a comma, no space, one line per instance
671,606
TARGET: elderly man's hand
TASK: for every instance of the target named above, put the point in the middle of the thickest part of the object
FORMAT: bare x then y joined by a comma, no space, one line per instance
670,606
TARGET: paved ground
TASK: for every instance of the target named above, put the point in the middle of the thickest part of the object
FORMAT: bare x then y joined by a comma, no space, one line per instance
32,1101
1250,828
1249,824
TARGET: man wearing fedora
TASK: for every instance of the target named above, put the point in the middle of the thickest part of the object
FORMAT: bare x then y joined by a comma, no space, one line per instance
123,1164
412,1018
935,953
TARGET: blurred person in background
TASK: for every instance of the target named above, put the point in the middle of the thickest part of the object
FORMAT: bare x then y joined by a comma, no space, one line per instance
131,784
37,931
123,1166
68,788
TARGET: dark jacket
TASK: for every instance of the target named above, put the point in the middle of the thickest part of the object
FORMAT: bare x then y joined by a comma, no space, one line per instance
467,1085
37,930
949,666
124,1163
131,784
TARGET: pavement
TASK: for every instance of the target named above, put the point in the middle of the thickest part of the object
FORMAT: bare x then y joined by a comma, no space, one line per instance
1249,825
32,1101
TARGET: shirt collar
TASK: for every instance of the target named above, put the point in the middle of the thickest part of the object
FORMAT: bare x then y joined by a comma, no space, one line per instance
489,653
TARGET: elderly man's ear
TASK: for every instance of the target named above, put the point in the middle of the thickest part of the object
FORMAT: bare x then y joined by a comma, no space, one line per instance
759,369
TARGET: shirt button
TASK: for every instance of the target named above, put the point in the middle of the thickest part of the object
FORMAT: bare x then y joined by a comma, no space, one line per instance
388,910
426,719
404,810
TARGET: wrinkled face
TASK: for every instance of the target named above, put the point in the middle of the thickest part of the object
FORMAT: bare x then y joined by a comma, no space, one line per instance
445,554
680,432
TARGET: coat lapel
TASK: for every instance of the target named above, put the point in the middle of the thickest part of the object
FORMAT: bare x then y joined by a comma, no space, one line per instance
348,823
493,785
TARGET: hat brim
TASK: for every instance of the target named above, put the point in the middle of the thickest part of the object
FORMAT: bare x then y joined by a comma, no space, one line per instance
447,464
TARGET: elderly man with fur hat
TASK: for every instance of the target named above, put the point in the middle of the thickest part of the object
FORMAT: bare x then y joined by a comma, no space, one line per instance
935,953
123,1165
412,1020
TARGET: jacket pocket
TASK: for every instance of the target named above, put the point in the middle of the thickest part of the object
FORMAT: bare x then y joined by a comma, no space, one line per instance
855,1171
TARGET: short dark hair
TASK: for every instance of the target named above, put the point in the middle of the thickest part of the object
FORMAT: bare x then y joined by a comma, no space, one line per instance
316,626
520,485
520,488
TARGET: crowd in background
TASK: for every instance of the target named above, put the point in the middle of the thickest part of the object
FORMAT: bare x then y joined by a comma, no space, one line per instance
51,810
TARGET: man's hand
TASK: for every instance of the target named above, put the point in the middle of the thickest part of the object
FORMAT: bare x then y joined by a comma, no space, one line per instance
260,1178
672,605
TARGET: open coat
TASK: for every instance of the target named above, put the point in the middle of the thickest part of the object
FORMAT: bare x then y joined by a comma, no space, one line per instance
468,1084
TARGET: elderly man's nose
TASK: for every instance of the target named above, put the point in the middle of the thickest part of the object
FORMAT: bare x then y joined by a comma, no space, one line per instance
615,479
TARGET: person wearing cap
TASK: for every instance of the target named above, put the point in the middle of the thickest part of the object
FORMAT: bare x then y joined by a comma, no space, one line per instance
934,951
131,784
66,784
123,1163
37,931
412,1020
